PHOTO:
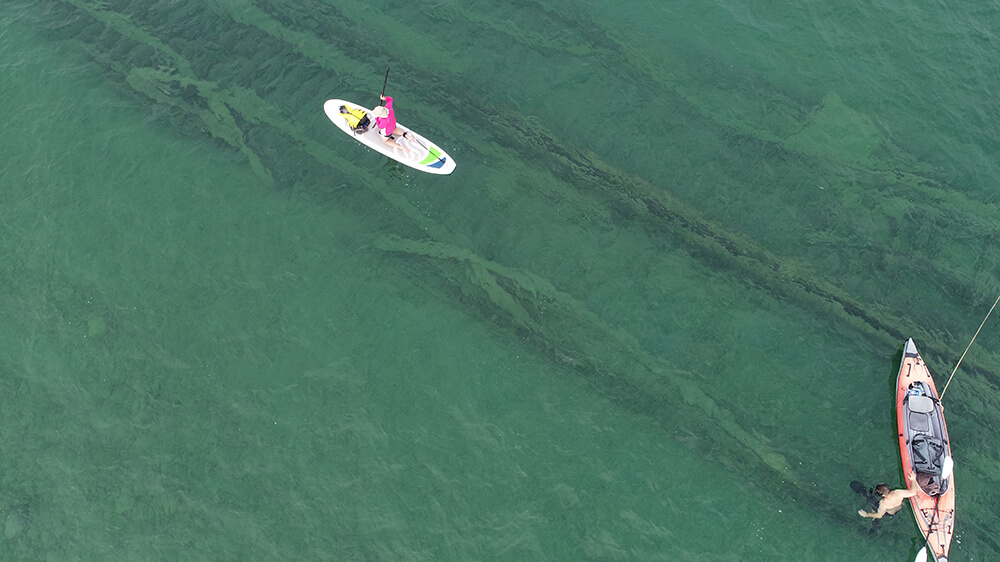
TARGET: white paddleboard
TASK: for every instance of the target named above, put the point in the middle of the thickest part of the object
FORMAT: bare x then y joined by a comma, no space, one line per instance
423,154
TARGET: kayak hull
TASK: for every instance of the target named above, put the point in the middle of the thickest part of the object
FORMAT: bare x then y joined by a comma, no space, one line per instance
421,155
923,448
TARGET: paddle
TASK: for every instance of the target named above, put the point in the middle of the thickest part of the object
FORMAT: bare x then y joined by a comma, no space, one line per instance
946,468
384,82
413,137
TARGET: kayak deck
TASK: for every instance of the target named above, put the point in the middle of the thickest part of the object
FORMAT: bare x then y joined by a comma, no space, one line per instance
923,448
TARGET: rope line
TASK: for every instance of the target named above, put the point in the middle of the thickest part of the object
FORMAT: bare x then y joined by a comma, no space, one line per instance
967,349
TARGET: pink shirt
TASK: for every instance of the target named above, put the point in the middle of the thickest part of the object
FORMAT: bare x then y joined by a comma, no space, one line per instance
387,124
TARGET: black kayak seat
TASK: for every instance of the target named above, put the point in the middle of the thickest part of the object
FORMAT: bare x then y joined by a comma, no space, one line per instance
920,422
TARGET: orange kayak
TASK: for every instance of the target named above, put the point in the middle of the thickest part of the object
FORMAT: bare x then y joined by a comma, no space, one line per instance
924,449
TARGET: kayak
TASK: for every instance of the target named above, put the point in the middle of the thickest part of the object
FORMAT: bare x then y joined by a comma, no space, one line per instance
422,154
925,450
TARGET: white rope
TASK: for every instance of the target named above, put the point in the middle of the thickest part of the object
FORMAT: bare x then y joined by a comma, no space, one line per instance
967,349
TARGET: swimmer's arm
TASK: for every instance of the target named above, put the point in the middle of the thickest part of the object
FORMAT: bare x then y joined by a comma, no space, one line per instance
878,514
914,487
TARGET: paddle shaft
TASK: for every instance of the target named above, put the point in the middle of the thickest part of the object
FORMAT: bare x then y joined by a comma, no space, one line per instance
922,553
384,82
414,137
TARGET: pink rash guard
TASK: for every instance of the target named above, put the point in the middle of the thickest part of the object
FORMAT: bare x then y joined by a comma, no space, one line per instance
387,125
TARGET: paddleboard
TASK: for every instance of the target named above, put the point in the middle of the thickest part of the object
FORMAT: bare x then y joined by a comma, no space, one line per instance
422,155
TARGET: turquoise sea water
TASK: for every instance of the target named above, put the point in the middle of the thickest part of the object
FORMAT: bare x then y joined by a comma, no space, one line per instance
655,314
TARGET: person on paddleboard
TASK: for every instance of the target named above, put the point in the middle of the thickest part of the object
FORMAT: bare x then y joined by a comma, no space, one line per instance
892,500
385,120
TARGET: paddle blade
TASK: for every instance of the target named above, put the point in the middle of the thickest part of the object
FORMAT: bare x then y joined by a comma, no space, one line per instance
947,468
922,555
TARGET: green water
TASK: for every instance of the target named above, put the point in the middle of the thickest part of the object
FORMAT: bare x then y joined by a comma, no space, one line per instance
655,314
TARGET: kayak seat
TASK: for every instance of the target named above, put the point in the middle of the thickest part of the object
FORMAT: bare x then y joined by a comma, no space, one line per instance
920,413
922,404
920,423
